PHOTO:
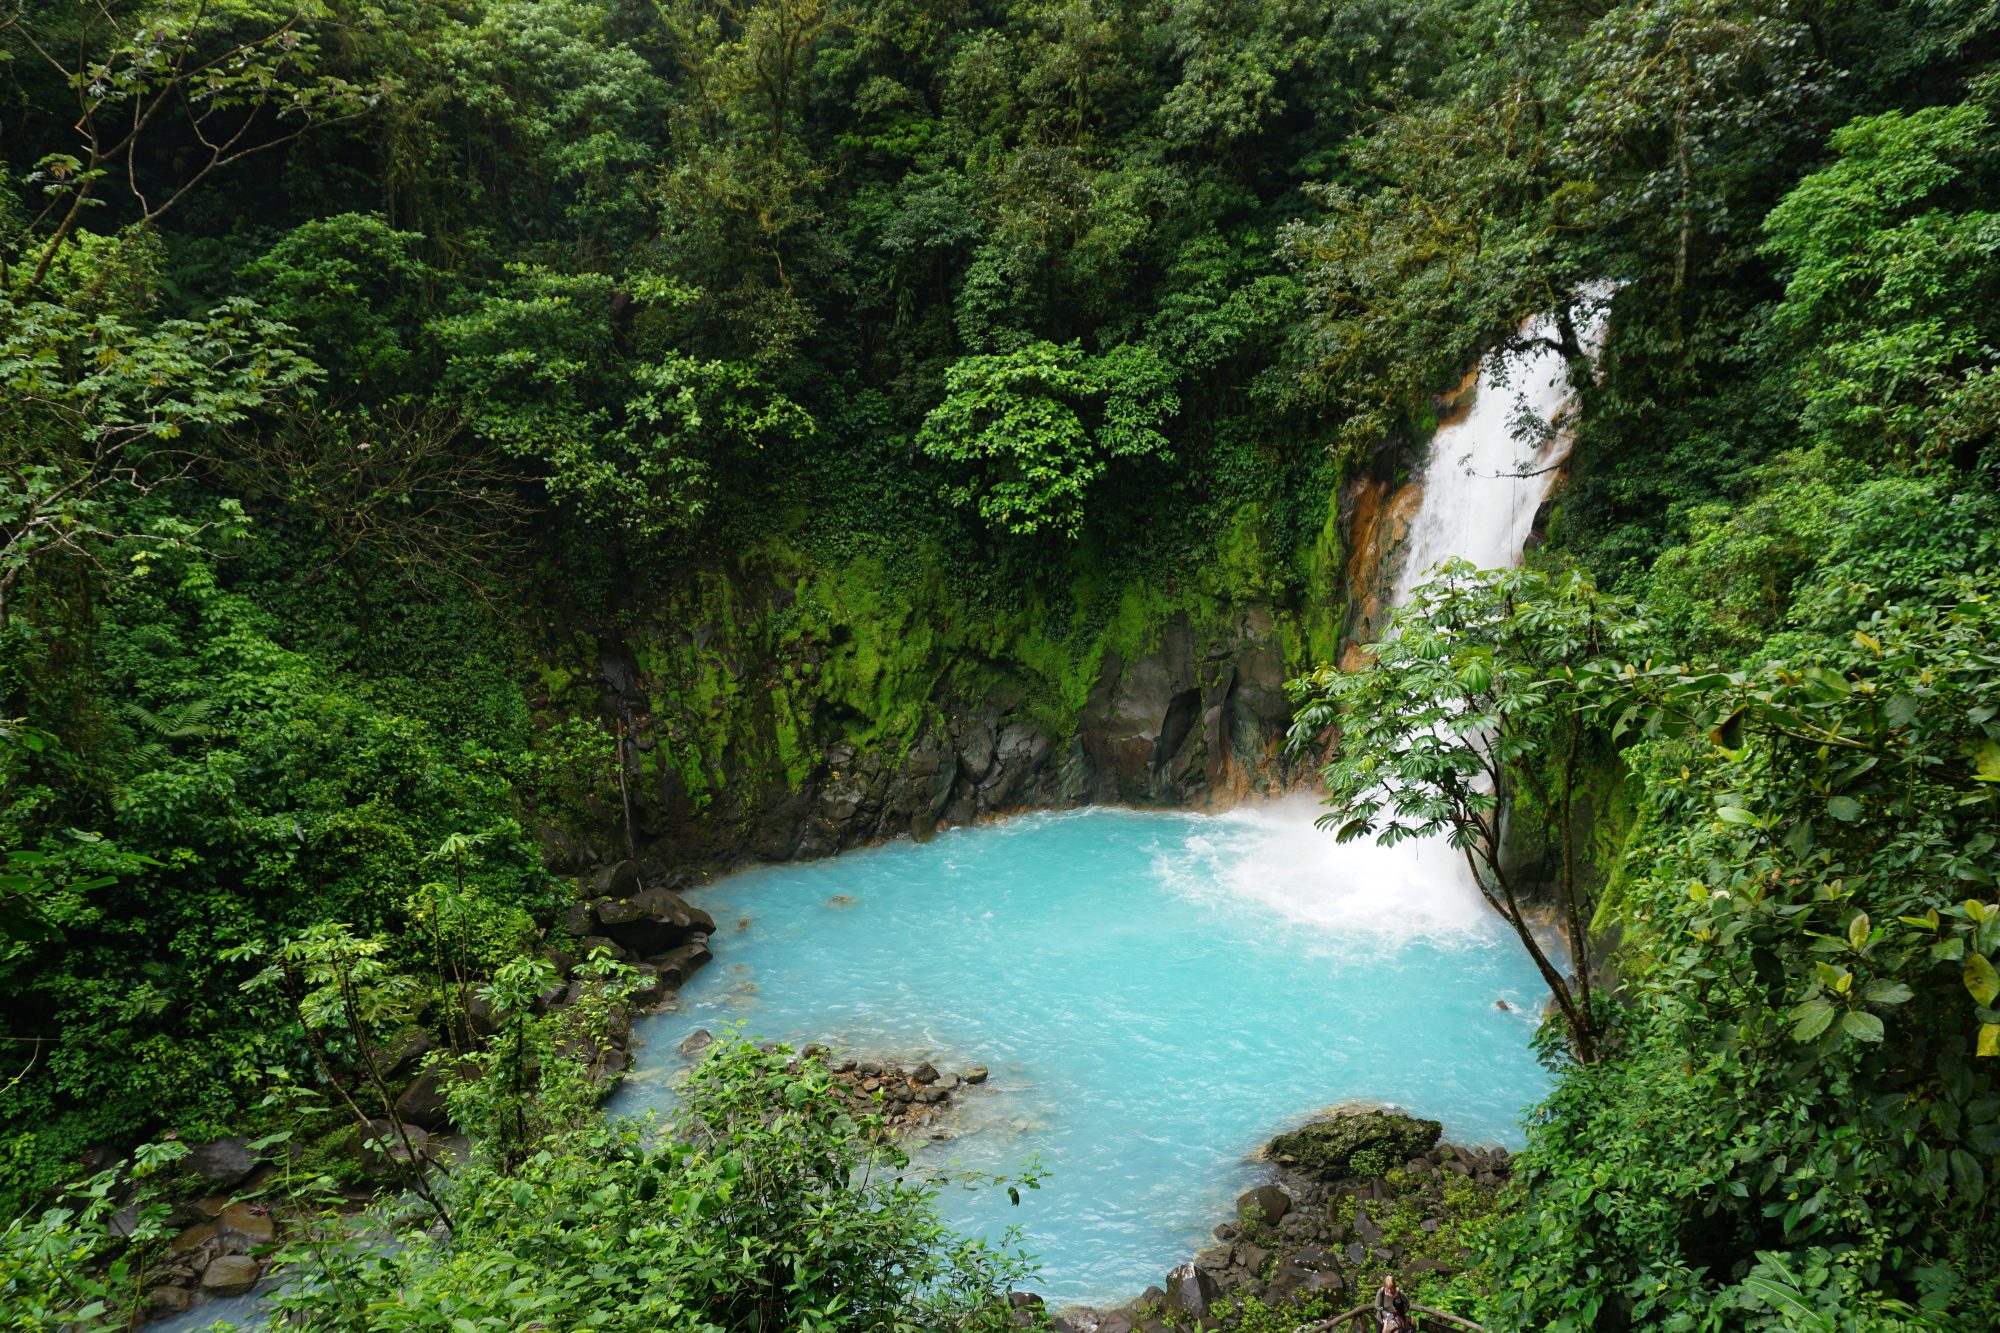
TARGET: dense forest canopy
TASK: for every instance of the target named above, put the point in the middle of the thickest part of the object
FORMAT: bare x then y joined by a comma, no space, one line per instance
365,363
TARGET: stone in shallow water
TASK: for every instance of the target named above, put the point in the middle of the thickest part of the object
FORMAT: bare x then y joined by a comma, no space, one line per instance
1191,1290
1268,1202
696,1042
169,1300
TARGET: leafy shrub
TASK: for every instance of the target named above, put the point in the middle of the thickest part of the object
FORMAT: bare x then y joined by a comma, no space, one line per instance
762,1203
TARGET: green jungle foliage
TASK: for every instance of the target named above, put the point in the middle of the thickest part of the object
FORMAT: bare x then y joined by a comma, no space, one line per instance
364,363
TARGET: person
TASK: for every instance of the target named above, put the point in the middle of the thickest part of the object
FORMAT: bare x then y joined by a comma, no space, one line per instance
1392,1308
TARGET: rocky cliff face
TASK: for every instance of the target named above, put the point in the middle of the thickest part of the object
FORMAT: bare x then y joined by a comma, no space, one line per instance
785,711
1196,717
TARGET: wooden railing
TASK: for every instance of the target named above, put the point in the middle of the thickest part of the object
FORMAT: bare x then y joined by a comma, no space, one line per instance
1418,1313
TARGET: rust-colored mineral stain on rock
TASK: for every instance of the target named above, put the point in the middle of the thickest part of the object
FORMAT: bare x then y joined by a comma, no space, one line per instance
1381,521
1455,406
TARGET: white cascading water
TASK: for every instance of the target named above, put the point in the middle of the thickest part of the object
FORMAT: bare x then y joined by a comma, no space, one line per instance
1486,474
1483,483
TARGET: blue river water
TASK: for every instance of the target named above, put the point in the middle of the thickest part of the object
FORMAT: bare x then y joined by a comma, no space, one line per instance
1155,994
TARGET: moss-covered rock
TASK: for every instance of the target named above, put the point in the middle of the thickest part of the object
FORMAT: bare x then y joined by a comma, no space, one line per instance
1326,1149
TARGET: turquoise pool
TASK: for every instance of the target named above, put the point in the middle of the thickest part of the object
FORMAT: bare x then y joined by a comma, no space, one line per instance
1155,994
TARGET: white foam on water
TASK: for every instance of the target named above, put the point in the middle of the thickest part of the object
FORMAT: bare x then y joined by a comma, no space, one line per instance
1274,856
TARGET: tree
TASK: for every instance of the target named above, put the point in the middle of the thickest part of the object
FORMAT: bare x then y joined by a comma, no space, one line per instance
741,195
642,441
1804,1115
231,80
1890,286
341,988
94,414
1477,693
1034,429
402,487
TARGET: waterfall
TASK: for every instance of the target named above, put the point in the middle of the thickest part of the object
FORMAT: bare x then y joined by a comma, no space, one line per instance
1483,480
1488,471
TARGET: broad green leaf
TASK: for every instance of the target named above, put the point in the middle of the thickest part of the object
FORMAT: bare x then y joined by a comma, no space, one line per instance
1857,931
1967,1177
1981,980
1785,1301
1844,808
1987,760
1989,1039
1735,814
1886,993
1861,1025
1812,1018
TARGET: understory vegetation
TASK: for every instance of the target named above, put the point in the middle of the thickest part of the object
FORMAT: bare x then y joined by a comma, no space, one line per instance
368,366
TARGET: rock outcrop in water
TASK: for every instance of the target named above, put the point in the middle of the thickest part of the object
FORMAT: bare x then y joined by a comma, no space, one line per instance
1306,1238
1328,1149
908,1097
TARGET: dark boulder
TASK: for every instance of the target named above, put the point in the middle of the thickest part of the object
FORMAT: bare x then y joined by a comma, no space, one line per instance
620,879
381,1148
1191,1292
423,1102
224,1163
1269,1202
552,996
246,1226
645,984
195,1238
168,1300
976,750
1325,1149
576,920
590,945
401,1051
480,1015
676,966
652,922
696,1043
